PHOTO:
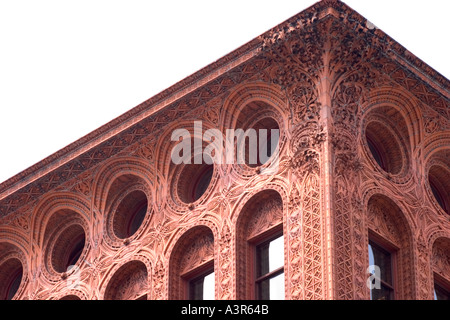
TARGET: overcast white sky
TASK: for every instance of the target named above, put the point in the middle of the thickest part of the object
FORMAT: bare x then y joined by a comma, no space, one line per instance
68,67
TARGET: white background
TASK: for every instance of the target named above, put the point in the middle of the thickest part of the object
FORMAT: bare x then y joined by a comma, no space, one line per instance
68,67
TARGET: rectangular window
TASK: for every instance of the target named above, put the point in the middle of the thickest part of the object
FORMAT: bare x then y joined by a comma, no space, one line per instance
381,268
202,287
269,281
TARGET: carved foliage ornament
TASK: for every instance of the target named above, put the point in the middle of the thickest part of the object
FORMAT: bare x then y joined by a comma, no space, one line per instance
305,147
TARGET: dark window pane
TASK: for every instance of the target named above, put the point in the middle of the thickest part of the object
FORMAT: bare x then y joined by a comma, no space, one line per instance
202,288
440,293
202,182
14,286
271,288
137,219
380,266
437,195
196,289
377,155
76,252
381,258
262,258
384,293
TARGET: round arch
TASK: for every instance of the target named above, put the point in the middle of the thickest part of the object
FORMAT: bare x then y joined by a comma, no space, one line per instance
390,228
128,281
192,255
111,170
13,271
244,94
260,219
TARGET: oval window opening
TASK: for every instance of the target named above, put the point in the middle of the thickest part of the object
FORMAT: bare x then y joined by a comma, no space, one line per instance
194,181
130,214
439,181
75,251
384,147
376,153
261,142
11,273
67,248
137,218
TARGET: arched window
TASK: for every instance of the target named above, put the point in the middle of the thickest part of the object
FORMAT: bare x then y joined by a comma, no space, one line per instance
129,282
269,263
440,263
191,274
441,290
200,283
389,251
260,248
381,261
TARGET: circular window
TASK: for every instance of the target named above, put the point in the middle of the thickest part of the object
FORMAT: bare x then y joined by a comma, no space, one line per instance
261,141
64,243
194,180
439,181
257,131
384,147
11,272
68,247
130,214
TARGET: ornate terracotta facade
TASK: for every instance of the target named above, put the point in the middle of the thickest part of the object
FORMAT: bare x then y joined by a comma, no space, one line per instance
364,153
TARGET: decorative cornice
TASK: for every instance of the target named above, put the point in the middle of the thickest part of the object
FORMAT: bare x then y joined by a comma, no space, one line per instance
130,118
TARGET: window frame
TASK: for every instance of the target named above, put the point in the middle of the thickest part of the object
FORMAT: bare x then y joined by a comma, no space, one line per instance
201,271
440,282
385,245
256,242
